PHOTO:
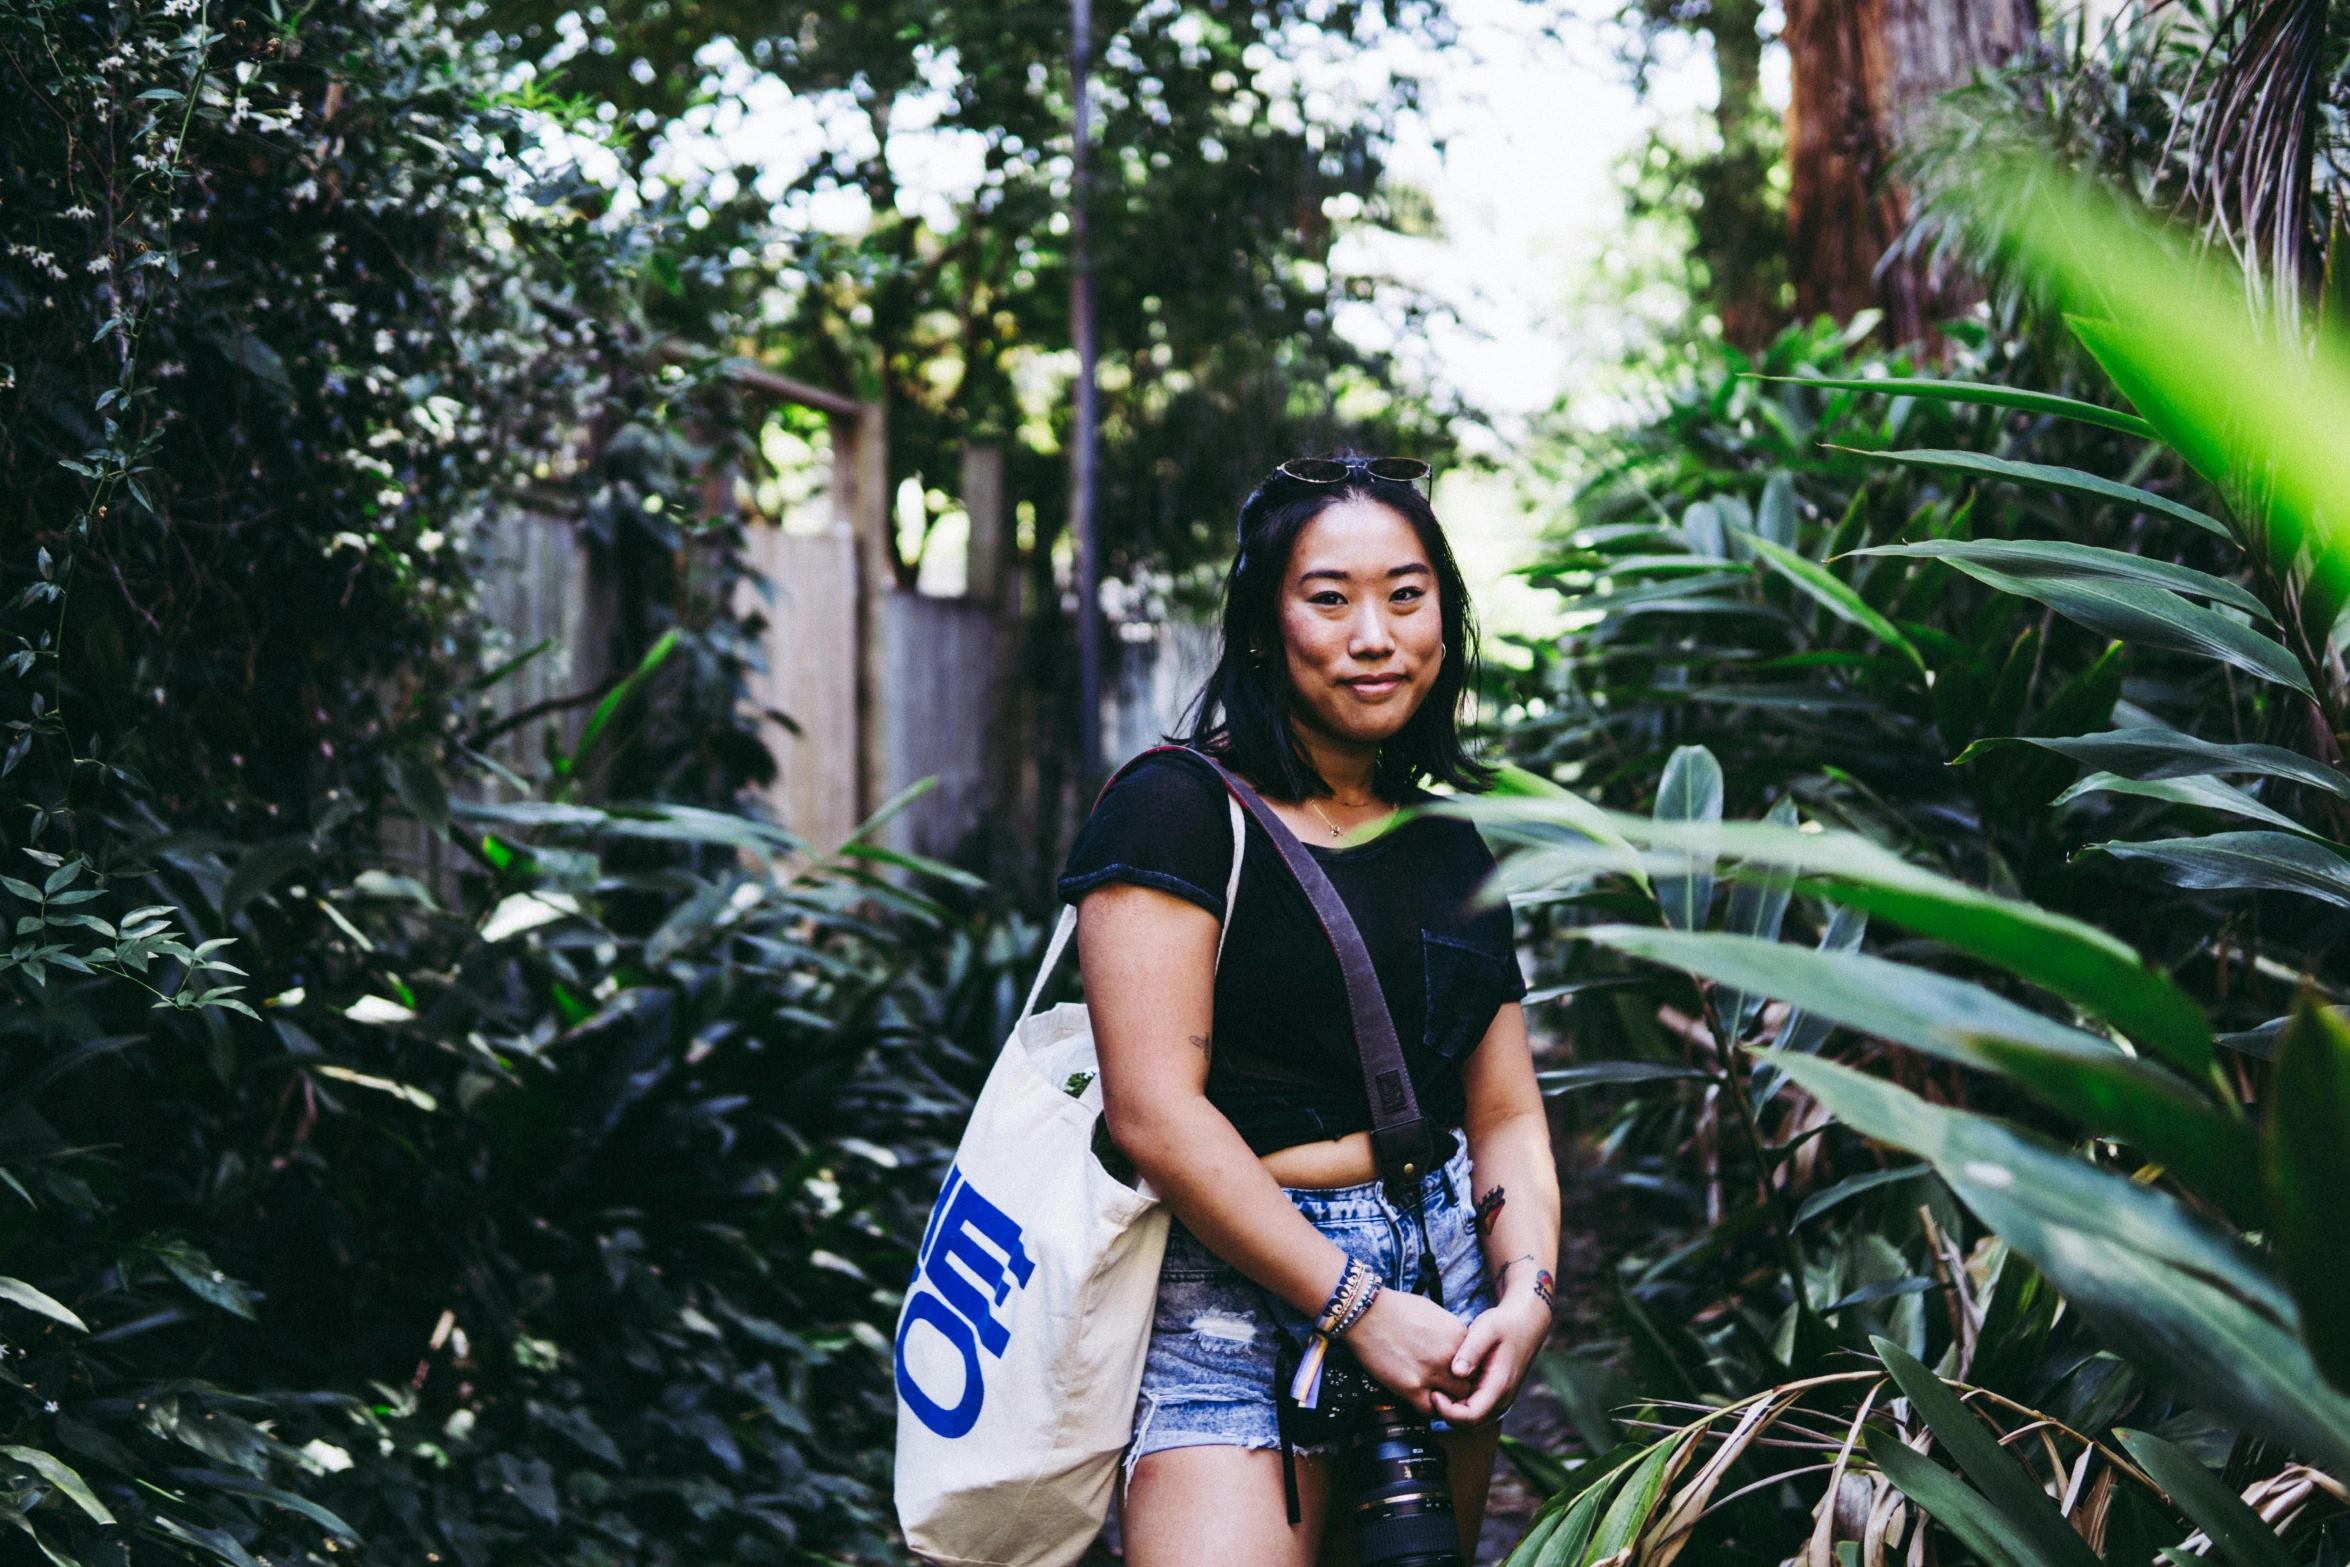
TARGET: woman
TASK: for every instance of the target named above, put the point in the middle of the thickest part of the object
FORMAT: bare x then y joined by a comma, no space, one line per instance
1234,1086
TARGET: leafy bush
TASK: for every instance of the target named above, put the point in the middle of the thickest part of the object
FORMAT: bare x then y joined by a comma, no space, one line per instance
2079,1129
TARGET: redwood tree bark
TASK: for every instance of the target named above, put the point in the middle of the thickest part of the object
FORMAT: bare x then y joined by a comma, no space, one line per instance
1865,72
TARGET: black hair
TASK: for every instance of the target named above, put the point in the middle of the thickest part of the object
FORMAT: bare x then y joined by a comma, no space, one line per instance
1243,712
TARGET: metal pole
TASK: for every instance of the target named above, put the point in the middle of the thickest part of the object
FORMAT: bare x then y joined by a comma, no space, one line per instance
1086,436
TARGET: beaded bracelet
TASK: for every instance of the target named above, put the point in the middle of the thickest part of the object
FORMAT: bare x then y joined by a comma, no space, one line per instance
1347,1303
1358,1311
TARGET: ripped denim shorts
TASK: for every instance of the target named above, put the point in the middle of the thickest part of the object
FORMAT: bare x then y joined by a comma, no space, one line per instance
1208,1380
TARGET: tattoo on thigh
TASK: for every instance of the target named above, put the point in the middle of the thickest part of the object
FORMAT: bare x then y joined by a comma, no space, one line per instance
1489,1209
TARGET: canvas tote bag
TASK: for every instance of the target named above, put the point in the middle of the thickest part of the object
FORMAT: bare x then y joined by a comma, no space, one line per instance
1021,1342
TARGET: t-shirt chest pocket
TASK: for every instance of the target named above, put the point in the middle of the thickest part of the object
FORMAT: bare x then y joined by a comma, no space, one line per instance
1467,985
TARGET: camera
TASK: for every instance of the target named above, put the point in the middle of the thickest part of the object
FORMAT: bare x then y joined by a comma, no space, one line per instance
1392,1474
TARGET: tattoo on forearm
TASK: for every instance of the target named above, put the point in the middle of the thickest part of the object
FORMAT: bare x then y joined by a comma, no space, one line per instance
1545,1287
1489,1209
1204,1046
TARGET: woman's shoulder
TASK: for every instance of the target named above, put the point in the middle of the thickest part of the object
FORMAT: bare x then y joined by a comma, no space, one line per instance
1161,824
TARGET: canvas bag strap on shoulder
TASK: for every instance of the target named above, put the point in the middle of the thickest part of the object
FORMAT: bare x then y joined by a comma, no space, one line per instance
1066,926
1402,1142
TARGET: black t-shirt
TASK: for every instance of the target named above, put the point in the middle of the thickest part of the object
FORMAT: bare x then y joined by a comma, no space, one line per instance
1284,1069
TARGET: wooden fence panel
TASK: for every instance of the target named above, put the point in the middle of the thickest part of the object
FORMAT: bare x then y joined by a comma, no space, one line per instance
943,712
811,675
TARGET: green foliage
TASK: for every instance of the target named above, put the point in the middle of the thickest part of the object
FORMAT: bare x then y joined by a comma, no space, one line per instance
2082,1134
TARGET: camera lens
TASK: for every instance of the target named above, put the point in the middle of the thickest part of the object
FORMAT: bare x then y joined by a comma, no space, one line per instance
1402,1495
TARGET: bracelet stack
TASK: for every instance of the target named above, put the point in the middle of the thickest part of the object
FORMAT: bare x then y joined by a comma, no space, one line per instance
1357,1287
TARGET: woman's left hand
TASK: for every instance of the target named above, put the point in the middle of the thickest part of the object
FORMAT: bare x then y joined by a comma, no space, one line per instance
1497,1353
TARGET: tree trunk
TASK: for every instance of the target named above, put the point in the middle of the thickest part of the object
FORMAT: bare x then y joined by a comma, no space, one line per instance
1738,236
1866,73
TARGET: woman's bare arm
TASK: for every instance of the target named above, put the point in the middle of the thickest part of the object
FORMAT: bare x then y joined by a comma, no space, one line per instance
1150,978
1509,1155
1150,975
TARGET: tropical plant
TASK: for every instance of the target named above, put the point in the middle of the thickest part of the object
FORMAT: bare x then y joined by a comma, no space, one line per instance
2104,1146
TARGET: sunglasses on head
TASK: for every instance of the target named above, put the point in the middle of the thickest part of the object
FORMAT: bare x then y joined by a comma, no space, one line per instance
1337,470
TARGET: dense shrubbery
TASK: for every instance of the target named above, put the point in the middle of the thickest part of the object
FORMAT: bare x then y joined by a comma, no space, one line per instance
544,1209
1911,610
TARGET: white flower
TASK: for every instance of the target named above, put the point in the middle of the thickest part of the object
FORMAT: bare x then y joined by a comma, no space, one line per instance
342,312
306,191
99,264
375,1009
77,210
429,542
319,1455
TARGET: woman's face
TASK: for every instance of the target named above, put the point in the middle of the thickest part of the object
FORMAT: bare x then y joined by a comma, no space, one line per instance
1363,633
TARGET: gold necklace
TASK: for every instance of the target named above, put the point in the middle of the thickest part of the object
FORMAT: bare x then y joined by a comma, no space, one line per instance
1336,831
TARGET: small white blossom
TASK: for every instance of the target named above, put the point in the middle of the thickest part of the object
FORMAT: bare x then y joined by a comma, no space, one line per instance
306,191
77,210
342,312
99,264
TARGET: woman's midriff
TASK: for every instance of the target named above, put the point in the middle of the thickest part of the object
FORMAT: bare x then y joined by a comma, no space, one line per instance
1342,1161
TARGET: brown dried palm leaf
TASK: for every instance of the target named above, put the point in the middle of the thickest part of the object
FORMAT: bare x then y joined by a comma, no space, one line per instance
2251,158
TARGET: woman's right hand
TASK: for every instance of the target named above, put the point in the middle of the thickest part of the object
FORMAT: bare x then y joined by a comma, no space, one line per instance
1408,1341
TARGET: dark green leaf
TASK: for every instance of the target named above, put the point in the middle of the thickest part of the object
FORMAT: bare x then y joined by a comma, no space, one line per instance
1982,1528
2075,960
2204,793
2243,862
2018,398
2171,753
2307,1160
2241,1534
1559,1080
2002,1480
2115,1095
1836,596
2065,481
2065,561
1853,1186
2154,617
2184,1299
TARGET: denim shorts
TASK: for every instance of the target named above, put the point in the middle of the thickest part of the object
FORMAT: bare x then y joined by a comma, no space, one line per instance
1208,1380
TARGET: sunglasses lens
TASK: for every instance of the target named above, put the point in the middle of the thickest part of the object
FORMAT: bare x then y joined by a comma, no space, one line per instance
1316,470
1397,470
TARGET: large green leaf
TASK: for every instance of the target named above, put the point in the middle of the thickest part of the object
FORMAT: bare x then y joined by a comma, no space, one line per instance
2244,861
2114,1094
1628,1514
1691,791
1512,781
2070,957
2065,481
2153,617
63,1476
2307,1147
1758,907
2172,753
2205,792
2241,1534
2061,559
1980,1527
2184,1298
1836,595
2003,1481
2015,397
